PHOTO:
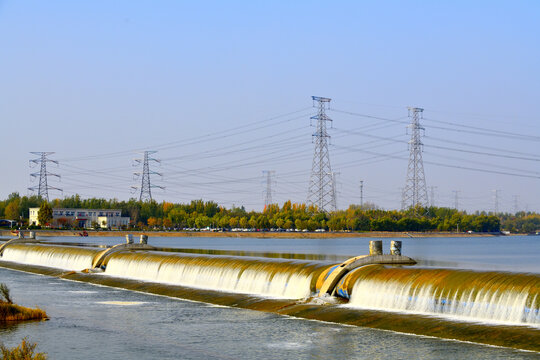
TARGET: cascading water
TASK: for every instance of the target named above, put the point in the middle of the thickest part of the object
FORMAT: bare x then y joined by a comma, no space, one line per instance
61,257
494,297
267,277
414,300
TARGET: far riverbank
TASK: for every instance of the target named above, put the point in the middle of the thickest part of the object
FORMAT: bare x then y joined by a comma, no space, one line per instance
254,234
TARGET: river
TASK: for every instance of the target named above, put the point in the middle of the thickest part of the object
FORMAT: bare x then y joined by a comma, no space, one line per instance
88,321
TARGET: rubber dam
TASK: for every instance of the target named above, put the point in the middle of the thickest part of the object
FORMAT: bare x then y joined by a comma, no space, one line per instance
383,291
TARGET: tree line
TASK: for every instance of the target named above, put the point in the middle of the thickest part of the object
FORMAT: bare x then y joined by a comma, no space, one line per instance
199,214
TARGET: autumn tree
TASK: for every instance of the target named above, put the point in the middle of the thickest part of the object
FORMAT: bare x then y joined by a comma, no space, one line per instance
167,223
45,213
12,210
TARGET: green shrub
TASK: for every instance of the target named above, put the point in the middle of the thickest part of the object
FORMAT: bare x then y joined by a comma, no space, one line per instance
25,351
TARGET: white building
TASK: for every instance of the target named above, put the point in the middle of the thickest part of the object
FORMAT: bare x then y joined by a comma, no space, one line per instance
84,218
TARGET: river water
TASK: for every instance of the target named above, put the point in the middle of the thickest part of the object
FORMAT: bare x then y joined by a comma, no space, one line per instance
89,321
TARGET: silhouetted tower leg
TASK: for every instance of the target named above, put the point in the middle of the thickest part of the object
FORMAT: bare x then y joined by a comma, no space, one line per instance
334,190
146,186
415,192
268,191
43,187
321,191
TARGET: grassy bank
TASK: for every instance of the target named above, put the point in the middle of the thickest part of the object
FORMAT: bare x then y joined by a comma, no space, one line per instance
13,312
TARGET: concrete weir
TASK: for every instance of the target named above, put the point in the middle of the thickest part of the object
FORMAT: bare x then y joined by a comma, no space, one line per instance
21,239
331,278
446,303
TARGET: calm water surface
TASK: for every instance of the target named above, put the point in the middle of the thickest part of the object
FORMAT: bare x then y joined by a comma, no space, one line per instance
503,253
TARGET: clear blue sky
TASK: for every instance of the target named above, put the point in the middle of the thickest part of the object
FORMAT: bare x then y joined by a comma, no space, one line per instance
205,83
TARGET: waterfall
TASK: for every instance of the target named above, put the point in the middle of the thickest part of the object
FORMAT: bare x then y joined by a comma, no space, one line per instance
61,257
493,297
291,279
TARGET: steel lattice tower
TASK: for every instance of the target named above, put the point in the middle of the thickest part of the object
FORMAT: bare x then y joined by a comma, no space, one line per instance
146,186
415,192
362,194
268,192
496,201
321,191
456,199
43,187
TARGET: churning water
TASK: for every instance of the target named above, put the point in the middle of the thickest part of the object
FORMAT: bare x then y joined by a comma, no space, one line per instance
493,297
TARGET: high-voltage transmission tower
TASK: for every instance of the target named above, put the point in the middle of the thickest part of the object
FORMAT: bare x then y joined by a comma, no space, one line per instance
43,187
362,194
456,199
415,192
268,191
321,189
496,201
146,186
432,196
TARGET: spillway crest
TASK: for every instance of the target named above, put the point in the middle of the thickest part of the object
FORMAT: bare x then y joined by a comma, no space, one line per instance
495,297
61,257
267,277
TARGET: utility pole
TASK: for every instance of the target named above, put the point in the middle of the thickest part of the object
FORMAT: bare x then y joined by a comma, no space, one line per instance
456,195
321,192
43,187
268,193
361,194
415,192
146,186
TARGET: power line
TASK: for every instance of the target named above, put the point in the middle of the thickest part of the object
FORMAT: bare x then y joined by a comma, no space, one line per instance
196,140
484,131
